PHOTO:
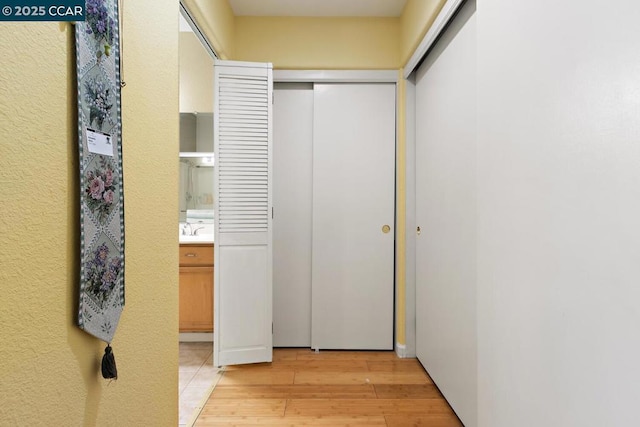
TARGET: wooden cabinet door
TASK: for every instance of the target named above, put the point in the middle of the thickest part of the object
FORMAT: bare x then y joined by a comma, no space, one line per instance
196,299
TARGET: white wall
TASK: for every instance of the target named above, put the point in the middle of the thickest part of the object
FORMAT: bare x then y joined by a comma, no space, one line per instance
558,213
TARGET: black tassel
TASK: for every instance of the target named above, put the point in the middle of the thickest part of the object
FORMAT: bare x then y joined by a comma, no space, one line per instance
109,370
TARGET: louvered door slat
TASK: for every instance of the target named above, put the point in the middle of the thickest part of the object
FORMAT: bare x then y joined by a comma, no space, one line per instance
237,131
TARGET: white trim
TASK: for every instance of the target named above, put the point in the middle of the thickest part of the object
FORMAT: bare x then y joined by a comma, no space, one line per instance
192,23
204,399
195,337
230,63
396,242
196,154
410,217
448,11
335,76
401,351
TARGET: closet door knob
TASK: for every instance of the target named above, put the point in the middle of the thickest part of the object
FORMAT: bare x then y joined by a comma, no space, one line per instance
418,231
386,229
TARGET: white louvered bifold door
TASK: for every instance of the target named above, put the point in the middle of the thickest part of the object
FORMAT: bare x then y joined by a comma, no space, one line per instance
243,215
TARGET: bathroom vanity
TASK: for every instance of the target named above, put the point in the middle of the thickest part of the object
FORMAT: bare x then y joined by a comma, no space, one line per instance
196,222
196,285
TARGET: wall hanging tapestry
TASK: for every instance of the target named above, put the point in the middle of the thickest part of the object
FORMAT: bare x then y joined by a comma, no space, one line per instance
101,189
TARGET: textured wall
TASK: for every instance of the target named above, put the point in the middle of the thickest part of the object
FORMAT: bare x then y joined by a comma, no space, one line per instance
49,368
196,76
319,43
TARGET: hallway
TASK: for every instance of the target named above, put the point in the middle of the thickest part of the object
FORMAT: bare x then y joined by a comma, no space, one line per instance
330,388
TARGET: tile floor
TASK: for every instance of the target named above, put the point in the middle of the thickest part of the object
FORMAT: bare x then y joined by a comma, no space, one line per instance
197,376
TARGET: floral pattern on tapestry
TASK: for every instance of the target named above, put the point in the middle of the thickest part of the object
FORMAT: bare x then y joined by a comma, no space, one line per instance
102,270
101,188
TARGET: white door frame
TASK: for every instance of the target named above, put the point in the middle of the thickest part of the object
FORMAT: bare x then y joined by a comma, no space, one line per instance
335,76
360,76
410,218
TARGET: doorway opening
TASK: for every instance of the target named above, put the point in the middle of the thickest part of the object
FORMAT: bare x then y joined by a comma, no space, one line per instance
197,375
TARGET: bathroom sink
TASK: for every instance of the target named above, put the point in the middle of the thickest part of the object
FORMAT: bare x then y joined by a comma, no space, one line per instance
199,238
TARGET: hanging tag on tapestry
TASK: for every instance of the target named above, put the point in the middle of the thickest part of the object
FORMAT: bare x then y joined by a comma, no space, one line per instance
99,143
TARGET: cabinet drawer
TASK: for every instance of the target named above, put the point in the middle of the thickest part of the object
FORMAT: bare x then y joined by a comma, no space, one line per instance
196,255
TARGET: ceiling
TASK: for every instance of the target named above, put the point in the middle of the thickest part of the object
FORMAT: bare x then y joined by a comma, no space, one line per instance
317,7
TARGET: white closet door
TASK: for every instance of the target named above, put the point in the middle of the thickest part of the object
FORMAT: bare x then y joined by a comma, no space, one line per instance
353,200
243,225
446,214
292,146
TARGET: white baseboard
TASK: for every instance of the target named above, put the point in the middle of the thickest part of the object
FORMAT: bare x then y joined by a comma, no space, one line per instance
196,337
401,350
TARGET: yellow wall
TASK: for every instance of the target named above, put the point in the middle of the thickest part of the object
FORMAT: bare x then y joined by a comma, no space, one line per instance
216,21
196,75
49,367
319,43
417,16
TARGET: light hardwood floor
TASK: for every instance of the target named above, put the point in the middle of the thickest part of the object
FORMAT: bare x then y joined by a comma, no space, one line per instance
330,388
